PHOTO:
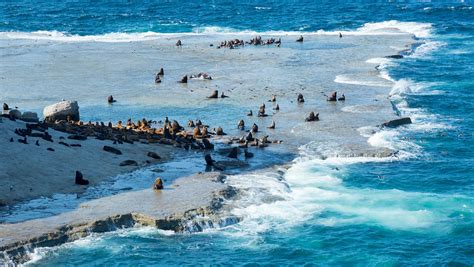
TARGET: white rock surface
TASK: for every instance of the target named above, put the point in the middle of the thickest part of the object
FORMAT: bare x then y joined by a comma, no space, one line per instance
61,110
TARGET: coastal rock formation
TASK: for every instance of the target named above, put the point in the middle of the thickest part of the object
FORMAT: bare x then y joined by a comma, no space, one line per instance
15,113
112,150
397,122
128,162
62,111
29,116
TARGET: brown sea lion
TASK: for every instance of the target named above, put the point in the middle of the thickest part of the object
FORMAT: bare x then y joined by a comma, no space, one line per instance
215,94
197,133
254,128
157,78
333,97
219,131
273,99
179,43
191,123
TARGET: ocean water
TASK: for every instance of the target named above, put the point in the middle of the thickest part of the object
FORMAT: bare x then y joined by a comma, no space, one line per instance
416,209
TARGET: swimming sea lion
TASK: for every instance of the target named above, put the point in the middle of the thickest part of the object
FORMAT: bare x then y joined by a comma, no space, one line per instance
250,113
312,117
342,98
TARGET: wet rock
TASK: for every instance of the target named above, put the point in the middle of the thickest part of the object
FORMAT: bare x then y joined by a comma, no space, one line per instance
153,155
63,110
15,113
233,153
128,162
207,144
29,116
6,107
112,150
397,122
394,56
77,137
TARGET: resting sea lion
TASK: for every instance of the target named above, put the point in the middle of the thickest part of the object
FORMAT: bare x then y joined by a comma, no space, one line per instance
333,97
241,125
184,79
111,99
277,107
191,123
300,98
223,95
79,180
162,72
250,113
342,98
254,128
215,94
157,78
312,117
219,131
272,126
300,39
5,106
179,43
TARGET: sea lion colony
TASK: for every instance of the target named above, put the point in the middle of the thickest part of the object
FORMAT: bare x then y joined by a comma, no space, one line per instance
171,133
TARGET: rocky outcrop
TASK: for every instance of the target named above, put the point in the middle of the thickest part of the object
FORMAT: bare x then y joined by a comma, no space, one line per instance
15,113
29,116
397,122
63,110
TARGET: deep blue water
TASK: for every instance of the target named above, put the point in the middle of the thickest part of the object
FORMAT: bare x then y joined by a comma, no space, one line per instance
440,179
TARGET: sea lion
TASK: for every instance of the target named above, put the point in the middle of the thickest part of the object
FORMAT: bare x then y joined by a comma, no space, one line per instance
300,40
79,180
198,123
215,94
342,98
223,95
277,108
250,113
197,133
204,132
272,126
11,140
37,143
300,98
254,128
312,117
340,35
109,125
273,99
249,137
184,79
219,131
241,125
179,43
158,184
261,111
157,78
191,124
333,97
162,72
111,99
119,125
6,107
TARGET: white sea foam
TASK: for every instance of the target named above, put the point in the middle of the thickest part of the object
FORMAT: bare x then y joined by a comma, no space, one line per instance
349,80
392,27
426,48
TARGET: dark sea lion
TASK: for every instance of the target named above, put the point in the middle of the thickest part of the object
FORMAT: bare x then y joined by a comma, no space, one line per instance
198,123
277,108
111,99
162,72
250,113
333,97
219,131
184,79
223,95
158,184
157,78
215,94
342,98
261,111
312,117
79,180
241,125
300,98
272,126
300,39
254,128
179,43
37,143
5,106
233,153
247,154
340,35
249,137
191,123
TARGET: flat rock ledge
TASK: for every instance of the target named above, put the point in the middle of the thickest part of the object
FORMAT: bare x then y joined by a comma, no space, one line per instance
190,204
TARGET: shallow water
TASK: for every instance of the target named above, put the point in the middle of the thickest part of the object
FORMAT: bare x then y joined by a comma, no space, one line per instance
416,209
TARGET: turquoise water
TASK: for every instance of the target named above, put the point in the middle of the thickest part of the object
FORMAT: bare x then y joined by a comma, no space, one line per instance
415,211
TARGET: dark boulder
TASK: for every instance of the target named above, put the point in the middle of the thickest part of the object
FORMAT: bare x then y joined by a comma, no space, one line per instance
397,122
112,150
